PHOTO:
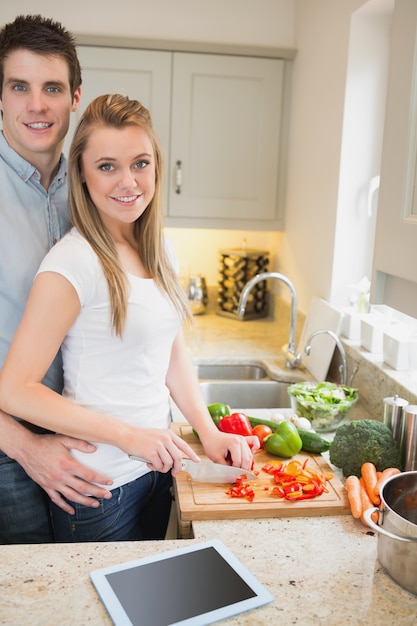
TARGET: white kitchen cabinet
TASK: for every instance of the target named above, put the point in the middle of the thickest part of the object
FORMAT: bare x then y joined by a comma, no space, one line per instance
226,153
221,122
141,74
395,255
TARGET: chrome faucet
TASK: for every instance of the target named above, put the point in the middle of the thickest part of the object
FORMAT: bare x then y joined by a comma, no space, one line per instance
293,359
343,366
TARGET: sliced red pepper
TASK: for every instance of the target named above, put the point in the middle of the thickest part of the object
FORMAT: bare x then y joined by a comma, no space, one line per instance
241,489
269,468
292,482
295,482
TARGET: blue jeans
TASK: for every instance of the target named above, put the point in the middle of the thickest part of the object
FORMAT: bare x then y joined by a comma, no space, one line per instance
137,511
24,506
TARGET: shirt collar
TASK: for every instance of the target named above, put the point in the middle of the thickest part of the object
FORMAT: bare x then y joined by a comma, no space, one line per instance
23,168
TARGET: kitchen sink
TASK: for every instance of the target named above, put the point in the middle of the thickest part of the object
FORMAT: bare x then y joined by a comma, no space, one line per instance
230,371
247,394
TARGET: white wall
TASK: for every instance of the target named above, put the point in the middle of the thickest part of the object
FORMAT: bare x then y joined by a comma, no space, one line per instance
250,22
322,39
363,128
334,146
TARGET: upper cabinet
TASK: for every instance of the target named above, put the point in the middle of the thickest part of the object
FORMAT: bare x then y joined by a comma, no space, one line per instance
222,122
226,154
395,255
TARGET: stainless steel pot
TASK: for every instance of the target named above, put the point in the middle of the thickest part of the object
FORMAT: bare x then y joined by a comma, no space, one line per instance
397,528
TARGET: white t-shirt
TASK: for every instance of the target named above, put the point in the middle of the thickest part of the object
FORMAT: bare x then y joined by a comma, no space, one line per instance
124,378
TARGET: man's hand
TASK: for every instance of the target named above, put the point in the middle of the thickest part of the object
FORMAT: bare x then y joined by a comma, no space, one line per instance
48,461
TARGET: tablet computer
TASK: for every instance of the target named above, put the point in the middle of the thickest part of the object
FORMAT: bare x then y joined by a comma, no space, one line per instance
194,586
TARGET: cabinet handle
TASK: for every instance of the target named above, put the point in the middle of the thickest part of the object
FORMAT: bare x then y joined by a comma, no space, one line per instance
178,177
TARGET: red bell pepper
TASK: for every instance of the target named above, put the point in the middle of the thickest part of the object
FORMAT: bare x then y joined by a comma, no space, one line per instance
236,424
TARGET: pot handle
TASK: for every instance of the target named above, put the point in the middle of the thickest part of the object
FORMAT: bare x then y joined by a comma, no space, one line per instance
368,519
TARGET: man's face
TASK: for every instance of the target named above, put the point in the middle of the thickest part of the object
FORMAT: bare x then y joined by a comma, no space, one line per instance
36,104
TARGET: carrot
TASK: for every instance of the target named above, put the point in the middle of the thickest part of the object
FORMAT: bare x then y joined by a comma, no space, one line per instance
354,495
387,473
368,471
366,502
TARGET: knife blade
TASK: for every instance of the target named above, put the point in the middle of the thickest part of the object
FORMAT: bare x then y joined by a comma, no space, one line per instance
209,472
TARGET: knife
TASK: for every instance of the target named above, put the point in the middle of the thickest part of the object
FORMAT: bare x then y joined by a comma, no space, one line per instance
209,472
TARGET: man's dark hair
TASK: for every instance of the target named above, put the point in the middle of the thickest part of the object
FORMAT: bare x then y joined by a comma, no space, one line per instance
43,36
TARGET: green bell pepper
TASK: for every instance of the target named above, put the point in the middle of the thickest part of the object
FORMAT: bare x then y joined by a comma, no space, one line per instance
217,411
285,441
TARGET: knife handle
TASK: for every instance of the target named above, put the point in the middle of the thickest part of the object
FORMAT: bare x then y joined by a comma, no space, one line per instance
137,458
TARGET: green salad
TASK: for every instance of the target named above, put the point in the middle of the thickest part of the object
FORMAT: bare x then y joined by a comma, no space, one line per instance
324,404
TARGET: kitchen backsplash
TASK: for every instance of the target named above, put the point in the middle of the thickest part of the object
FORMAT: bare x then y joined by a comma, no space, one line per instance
374,381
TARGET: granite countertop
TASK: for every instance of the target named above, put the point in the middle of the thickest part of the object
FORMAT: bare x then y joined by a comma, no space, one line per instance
321,570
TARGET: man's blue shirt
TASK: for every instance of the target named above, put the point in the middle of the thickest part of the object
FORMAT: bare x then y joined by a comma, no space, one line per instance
31,221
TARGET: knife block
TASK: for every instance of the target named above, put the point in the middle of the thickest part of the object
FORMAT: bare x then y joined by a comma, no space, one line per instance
236,267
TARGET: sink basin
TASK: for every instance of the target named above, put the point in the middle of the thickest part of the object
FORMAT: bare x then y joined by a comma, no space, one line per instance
229,371
247,394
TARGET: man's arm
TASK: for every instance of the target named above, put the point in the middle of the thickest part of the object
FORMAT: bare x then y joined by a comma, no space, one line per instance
48,461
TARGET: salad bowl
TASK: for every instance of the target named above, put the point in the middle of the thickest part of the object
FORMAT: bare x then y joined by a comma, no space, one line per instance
324,404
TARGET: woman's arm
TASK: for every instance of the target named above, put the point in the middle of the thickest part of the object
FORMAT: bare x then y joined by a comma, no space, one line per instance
52,308
183,384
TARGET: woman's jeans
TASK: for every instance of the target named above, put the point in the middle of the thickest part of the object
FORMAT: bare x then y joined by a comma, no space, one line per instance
137,511
24,506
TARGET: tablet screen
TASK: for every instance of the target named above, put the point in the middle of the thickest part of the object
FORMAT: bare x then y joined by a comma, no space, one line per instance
194,586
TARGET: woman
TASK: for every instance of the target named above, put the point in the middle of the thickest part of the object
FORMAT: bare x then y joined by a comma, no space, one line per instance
109,294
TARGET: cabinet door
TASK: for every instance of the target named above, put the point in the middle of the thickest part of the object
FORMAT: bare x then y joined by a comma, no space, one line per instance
144,75
226,141
395,254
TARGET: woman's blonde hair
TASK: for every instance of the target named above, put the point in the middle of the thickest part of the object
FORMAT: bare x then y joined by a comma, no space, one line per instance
119,111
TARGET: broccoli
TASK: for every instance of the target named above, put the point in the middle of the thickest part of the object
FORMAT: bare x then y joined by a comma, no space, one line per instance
362,441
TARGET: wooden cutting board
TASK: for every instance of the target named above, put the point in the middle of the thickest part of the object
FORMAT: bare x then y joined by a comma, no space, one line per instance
208,501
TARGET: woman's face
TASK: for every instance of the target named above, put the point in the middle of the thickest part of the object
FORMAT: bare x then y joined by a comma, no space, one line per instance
118,167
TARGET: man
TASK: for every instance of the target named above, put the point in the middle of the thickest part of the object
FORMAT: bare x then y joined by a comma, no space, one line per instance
40,85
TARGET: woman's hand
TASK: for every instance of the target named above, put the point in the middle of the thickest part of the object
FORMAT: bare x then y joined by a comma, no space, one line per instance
162,449
229,449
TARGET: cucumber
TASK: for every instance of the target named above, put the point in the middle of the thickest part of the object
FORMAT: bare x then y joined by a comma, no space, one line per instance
255,421
312,442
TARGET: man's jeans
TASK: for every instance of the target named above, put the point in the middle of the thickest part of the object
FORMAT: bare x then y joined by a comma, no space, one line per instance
24,506
137,511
